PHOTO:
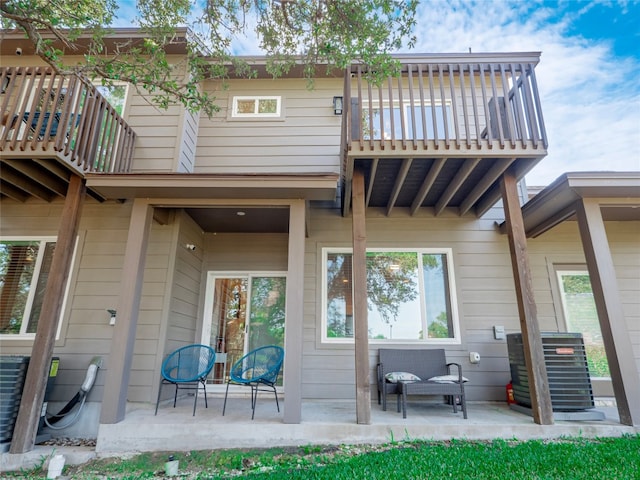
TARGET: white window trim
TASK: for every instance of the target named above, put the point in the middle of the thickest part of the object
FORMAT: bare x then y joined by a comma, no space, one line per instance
255,114
31,336
448,252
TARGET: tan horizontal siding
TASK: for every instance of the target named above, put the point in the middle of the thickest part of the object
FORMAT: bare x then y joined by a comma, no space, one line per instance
233,145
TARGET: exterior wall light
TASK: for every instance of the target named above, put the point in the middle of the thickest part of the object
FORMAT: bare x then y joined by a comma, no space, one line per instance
337,105
112,320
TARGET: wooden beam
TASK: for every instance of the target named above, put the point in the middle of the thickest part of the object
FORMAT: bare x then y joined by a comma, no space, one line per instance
372,180
402,175
124,333
455,184
531,339
359,266
9,176
616,336
427,183
294,324
346,194
491,176
26,426
11,191
37,175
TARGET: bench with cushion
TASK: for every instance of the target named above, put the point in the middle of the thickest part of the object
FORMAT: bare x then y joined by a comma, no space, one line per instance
418,372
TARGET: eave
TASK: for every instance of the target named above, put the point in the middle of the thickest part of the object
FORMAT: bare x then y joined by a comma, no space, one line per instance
320,186
618,194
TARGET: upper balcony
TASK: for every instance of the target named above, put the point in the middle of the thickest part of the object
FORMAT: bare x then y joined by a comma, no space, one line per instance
54,126
441,134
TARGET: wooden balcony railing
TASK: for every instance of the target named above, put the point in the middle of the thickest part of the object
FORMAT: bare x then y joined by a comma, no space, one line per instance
43,111
443,103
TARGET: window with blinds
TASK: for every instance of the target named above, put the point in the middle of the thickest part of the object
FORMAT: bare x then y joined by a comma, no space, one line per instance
24,271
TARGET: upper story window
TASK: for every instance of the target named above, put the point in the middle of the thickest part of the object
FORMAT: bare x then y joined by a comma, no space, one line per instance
410,296
24,269
257,107
415,122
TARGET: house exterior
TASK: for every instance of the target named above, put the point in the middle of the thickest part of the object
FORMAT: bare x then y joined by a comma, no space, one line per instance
332,221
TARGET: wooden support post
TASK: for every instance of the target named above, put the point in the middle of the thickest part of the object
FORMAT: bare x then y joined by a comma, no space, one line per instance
294,328
531,339
617,342
26,426
359,259
124,333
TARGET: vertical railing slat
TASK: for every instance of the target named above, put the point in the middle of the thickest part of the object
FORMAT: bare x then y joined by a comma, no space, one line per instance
412,106
517,105
465,107
474,101
536,93
423,105
403,126
485,104
454,105
529,107
443,101
508,113
392,120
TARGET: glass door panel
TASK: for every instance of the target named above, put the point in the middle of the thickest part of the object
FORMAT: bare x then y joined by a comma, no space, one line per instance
246,312
267,307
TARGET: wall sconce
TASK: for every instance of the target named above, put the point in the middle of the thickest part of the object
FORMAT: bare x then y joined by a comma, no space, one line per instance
337,105
112,320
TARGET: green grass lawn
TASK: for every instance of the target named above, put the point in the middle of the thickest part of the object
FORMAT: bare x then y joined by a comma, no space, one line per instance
569,458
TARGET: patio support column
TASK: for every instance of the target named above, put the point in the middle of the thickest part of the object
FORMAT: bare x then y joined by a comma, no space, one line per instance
294,328
26,426
360,318
617,343
531,339
124,334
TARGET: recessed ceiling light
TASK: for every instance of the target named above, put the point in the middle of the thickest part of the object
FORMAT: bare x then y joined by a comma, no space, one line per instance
241,213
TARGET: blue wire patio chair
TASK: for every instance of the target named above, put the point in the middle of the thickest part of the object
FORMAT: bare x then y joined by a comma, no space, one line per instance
187,368
259,370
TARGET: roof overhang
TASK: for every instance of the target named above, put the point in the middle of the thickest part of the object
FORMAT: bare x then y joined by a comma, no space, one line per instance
618,194
320,186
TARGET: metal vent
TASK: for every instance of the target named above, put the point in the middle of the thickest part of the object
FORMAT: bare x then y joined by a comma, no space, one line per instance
567,371
13,371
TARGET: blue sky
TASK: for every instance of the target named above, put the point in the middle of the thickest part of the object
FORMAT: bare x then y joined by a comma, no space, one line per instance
589,73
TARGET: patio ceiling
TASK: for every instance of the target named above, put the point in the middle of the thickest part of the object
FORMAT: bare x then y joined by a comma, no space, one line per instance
462,183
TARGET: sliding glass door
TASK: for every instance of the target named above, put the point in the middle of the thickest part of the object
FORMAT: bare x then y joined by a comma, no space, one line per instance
242,312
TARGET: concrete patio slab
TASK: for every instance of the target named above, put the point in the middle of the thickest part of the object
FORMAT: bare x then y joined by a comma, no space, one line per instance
324,422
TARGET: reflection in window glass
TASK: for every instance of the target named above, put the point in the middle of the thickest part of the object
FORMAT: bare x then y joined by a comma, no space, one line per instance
246,106
408,296
269,105
24,270
256,106
581,316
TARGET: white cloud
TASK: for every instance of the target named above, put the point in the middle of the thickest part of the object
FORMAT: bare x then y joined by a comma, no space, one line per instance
590,99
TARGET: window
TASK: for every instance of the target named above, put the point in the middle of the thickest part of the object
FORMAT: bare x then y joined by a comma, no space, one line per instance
256,106
24,270
410,116
410,296
579,308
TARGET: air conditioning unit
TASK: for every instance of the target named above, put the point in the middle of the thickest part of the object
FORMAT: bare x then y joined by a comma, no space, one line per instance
567,373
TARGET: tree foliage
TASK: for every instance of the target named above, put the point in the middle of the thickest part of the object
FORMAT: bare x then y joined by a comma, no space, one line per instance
333,33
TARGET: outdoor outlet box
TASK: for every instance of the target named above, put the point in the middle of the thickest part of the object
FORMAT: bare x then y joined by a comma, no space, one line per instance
474,357
498,332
